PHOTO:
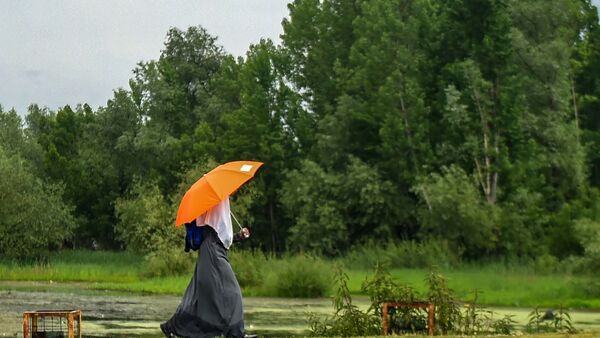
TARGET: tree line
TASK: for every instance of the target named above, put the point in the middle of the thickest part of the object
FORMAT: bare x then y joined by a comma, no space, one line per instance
474,122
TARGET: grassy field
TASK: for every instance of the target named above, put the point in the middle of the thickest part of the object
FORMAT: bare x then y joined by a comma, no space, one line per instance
500,287
497,285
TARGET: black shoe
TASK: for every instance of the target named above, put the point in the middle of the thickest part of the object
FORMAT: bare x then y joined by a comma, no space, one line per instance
166,331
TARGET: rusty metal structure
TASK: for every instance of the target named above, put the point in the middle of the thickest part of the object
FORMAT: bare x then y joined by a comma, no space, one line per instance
66,324
416,305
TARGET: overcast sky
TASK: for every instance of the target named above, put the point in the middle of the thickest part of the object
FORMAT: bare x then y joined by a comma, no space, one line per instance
58,52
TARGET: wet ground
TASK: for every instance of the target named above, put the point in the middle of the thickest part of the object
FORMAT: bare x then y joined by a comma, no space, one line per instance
121,315
109,314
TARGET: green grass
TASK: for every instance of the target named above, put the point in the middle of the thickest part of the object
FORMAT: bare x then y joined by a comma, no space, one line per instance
498,285
77,266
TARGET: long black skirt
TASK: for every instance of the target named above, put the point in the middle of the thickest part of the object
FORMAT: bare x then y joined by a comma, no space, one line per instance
212,303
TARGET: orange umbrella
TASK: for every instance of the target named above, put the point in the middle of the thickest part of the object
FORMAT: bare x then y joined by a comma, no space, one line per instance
214,187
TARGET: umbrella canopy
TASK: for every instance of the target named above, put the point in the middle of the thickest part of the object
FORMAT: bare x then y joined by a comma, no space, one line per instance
214,187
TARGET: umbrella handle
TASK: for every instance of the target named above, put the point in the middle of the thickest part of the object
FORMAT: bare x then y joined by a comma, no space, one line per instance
238,223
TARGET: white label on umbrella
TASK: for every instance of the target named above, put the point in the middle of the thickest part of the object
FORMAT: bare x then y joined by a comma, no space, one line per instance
246,168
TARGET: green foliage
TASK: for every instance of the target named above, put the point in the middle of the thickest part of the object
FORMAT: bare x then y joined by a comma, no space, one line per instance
146,220
301,275
167,260
455,212
404,254
33,218
318,225
588,233
447,314
473,319
540,322
250,267
347,320
470,123
146,226
382,288
330,226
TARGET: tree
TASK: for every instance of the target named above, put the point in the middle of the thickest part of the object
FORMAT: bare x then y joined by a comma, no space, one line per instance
33,217
171,95
145,218
456,213
317,38
585,85
309,199
266,127
333,210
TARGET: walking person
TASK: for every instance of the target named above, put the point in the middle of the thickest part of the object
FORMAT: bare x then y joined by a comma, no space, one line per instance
212,303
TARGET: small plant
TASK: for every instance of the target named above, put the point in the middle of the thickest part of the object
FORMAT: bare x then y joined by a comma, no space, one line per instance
536,323
549,321
473,320
347,320
562,321
506,325
476,319
447,312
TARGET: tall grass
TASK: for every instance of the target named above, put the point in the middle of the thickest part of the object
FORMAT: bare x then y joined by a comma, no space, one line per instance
249,267
405,254
77,265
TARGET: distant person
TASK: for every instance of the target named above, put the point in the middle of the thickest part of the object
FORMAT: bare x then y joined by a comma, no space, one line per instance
212,303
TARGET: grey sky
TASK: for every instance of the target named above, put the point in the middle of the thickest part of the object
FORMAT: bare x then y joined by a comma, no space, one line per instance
57,52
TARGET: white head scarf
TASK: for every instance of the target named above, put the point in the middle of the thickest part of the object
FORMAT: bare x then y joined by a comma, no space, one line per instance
219,218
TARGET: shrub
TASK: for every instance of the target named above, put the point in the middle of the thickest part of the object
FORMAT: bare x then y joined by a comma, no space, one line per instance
546,263
145,219
405,254
248,266
347,319
560,322
167,260
456,212
300,275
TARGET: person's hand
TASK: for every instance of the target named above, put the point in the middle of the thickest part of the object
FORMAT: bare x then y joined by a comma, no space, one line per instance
245,233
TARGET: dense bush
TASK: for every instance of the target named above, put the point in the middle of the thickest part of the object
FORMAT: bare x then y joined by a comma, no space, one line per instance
166,260
454,211
33,216
249,266
300,275
145,219
322,225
